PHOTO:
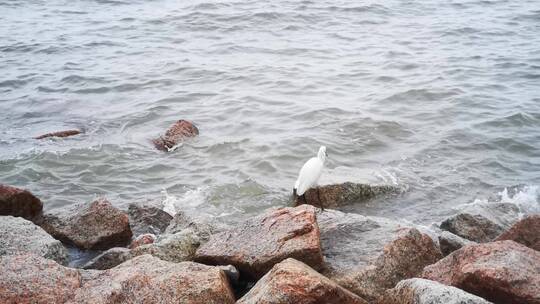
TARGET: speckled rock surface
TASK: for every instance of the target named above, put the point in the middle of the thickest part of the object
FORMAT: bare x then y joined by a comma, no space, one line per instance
526,232
179,131
332,196
203,228
255,245
30,278
145,219
147,279
143,239
449,242
293,282
19,202
421,291
18,236
501,272
368,255
176,247
475,228
97,225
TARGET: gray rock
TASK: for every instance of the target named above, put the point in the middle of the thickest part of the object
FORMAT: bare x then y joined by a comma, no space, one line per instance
98,225
502,214
22,236
449,242
368,255
109,259
422,291
203,228
145,219
176,247
475,228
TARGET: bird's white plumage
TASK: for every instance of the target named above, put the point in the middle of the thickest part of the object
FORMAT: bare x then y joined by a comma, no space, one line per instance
310,172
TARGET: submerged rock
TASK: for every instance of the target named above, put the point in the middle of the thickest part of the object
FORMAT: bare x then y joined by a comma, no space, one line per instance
109,259
368,255
145,219
255,245
29,278
449,242
332,196
97,225
501,272
19,202
526,232
293,282
65,133
421,291
475,228
18,236
179,131
147,279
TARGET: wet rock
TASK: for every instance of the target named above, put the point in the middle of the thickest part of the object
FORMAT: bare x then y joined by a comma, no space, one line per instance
368,255
18,236
19,202
97,225
179,131
30,278
293,282
449,242
109,259
502,214
472,227
255,245
176,247
526,232
143,239
147,279
332,196
145,219
421,291
65,133
203,228
501,272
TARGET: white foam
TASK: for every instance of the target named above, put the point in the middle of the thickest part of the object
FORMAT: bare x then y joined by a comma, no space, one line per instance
189,200
525,198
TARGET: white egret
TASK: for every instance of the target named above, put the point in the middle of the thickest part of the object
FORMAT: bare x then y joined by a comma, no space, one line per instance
309,174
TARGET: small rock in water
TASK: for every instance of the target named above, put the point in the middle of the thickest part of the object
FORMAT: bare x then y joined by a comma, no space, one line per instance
332,196
472,227
19,202
421,291
65,133
368,255
145,219
98,225
501,272
179,131
255,245
293,282
22,236
526,232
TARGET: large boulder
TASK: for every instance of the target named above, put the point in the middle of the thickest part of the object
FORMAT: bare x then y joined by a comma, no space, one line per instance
501,272
147,279
332,196
145,219
421,291
29,278
255,245
65,133
179,131
293,282
19,202
368,255
526,232
98,225
475,228
18,235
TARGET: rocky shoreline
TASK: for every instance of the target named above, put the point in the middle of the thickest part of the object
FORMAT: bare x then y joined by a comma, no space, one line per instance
486,254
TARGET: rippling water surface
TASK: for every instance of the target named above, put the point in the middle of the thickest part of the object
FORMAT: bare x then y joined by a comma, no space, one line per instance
441,98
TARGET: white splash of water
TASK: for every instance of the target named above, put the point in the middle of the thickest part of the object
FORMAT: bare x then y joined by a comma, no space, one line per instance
526,199
189,200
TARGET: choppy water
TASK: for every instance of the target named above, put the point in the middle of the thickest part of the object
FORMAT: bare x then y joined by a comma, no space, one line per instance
439,97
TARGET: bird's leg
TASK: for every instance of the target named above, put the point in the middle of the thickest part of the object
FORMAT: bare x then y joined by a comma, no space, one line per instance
320,201
303,196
